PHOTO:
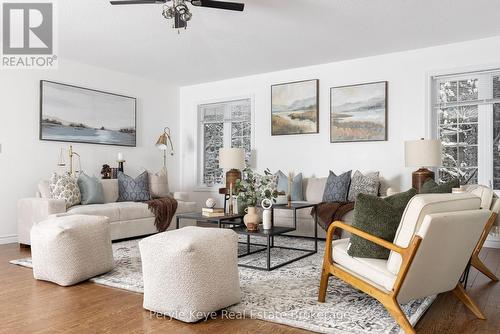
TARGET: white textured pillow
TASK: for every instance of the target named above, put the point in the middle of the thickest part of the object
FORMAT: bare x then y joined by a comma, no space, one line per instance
66,188
158,184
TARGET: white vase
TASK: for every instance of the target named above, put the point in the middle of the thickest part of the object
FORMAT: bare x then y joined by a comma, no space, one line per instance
266,205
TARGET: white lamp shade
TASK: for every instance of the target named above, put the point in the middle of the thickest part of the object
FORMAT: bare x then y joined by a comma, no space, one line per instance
423,153
230,158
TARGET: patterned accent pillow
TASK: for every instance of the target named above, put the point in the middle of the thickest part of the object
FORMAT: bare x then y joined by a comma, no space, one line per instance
363,184
266,184
66,188
133,190
337,187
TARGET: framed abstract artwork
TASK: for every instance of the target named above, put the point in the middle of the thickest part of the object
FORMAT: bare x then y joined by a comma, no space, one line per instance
295,108
358,113
81,115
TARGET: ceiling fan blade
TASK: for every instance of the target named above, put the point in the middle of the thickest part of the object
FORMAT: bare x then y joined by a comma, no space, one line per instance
136,2
219,4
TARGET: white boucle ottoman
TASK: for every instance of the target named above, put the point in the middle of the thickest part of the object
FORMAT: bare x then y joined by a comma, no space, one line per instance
69,249
190,272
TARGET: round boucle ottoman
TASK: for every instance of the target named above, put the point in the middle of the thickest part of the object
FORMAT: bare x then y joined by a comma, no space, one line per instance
190,272
69,249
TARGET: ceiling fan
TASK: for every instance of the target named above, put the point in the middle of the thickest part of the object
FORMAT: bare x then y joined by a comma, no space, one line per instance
178,9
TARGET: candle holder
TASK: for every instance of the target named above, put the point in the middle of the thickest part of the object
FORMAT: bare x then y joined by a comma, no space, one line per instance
120,165
289,201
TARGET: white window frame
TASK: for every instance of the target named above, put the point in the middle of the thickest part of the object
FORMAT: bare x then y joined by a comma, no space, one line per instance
485,113
199,161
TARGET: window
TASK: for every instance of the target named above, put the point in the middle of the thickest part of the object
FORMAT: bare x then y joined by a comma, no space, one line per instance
466,110
222,124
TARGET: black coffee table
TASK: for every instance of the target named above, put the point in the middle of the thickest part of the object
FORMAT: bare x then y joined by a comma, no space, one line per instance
221,221
274,232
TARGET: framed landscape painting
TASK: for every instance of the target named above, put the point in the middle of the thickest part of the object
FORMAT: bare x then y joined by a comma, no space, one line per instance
80,115
294,108
358,112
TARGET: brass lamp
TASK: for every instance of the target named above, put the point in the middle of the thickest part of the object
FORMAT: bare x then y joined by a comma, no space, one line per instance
422,153
232,159
163,143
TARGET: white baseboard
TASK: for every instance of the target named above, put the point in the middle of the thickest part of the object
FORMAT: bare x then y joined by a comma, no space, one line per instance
8,239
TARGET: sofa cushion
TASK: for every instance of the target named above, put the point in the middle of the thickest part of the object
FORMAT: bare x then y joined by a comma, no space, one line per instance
363,184
109,210
90,189
110,189
297,193
130,189
415,212
379,217
133,210
337,187
158,184
374,270
314,188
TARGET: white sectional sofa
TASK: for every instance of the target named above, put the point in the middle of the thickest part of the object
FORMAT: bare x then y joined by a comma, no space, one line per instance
127,219
312,189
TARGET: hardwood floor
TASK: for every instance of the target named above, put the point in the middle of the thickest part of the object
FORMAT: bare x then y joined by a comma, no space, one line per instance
30,306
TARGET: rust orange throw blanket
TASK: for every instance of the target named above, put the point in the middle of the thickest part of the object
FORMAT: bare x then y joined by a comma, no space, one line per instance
330,211
164,210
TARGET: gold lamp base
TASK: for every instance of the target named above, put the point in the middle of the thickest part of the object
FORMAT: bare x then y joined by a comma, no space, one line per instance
419,177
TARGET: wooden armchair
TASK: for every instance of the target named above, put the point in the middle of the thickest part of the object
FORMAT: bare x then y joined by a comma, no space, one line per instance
434,242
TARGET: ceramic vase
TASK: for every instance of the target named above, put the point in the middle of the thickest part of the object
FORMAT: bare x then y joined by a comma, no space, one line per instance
251,219
266,205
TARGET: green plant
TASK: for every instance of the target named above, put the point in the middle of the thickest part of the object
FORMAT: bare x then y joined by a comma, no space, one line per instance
253,187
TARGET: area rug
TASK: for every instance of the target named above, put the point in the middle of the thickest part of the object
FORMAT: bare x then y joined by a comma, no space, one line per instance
287,295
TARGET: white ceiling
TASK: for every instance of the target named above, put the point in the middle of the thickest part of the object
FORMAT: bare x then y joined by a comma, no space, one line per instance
269,35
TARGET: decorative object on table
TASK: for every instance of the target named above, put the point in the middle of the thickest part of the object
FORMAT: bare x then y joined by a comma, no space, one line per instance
337,187
232,159
254,187
120,162
251,219
163,143
158,183
266,205
66,188
358,112
289,192
431,187
231,202
379,217
61,162
75,114
114,173
363,184
91,190
72,154
133,190
164,210
210,203
212,212
295,108
106,172
296,191
422,153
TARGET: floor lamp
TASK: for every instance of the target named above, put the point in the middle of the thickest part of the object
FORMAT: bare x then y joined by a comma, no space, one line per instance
163,143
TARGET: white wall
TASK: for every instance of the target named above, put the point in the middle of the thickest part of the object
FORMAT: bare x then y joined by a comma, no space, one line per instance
407,74
24,159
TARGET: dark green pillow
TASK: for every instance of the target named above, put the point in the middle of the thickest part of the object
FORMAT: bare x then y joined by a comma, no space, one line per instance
379,217
431,187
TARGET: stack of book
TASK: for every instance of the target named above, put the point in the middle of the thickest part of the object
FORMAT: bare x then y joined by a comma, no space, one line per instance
212,212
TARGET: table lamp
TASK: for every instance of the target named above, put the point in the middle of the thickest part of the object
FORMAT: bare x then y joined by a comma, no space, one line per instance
422,153
232,159
162,144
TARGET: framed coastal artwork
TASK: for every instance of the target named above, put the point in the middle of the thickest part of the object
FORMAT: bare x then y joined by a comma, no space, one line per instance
81,115
358,112
294,108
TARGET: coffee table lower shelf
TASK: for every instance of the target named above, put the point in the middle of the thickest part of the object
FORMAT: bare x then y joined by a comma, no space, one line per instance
269,236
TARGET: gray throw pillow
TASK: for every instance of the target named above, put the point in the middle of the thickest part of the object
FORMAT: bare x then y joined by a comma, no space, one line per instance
91,189
379,217
337,187
363,184
431,187
133,190
296,185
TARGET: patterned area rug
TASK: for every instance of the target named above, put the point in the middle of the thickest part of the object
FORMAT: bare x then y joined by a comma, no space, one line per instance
287,295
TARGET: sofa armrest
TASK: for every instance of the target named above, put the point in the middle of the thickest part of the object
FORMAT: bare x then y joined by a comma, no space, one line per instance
34,210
